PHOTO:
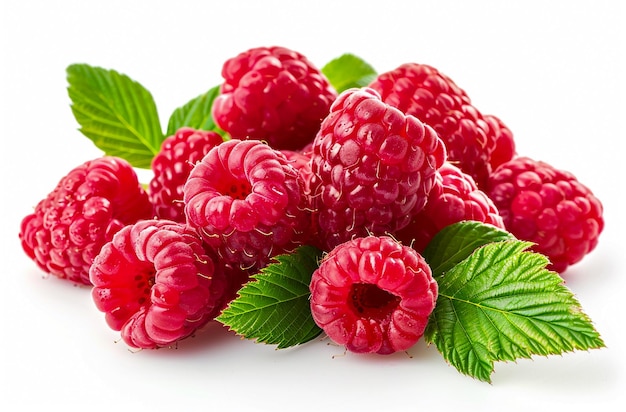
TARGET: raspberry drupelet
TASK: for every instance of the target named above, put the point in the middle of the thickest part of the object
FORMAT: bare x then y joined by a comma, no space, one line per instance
171,167
272,94
373,295
372,168
550,207
87,207
434,98
505,148
247,201
454,198
153,281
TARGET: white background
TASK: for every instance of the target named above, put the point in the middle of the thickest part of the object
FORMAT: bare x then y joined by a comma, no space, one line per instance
553,71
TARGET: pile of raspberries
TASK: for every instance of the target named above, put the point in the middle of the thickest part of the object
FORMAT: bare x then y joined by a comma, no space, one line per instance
368,175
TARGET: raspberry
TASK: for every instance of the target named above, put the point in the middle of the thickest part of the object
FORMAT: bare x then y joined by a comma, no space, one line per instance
301,161
87,207
505,143
432,97
373,295
454,198
153,282
272,94
171,167
246,200
547,206
372,166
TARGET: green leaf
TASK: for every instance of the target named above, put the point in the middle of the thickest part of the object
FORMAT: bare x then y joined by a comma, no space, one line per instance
502,304
196,114
347,71
118,114
274,306
457,241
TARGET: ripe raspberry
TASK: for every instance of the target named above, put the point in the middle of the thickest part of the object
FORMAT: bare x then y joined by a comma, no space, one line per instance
87,207
301,161
547,206
454,198
373,295
272,94
246,200
153,281
373,168
432,97
171,167
505,143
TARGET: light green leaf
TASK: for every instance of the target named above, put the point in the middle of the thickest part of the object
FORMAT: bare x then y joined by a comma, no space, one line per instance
118,114
273,307
196,114
457,241
502,304
347,71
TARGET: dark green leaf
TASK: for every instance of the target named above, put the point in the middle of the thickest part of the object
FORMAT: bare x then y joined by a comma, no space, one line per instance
347,71
196,114
459,240
118,114
502,304
274,306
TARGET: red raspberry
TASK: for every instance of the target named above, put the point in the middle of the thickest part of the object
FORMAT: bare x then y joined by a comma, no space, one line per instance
171,167
505,143
246,200
373,168
87,207
547,206
272,94
153,282
454,198
301,161
432,97
373,295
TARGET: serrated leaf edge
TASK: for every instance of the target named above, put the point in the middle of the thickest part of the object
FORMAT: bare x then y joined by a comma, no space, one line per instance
265,275
431,337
